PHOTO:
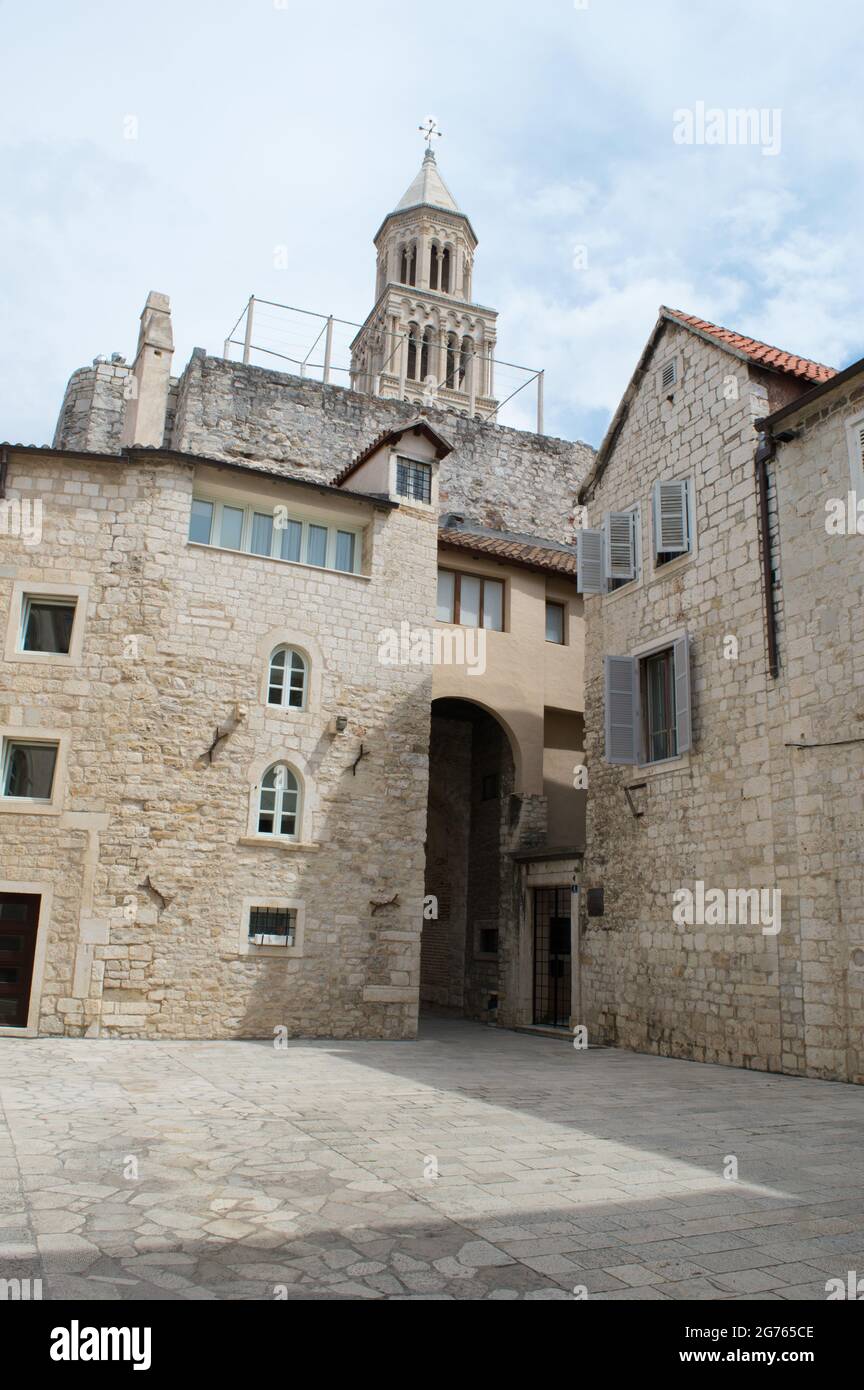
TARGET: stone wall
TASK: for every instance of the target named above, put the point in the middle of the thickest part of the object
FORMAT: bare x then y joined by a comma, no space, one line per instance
740,810
505,478
147,861
709,993
819,699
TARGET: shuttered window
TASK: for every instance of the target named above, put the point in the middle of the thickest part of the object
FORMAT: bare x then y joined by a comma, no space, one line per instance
591,562
855,437
672,524
647,704
620,528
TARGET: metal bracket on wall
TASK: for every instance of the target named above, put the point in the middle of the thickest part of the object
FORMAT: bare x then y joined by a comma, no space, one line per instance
634,787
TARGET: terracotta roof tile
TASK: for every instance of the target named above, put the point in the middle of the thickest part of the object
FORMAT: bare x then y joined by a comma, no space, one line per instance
521,553
761,354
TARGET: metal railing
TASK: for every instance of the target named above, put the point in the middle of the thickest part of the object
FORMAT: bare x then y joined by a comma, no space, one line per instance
269,330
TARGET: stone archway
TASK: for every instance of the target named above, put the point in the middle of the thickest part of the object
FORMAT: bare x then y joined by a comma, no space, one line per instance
468,873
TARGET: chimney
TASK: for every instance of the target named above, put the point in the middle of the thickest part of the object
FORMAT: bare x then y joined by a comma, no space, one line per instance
146,389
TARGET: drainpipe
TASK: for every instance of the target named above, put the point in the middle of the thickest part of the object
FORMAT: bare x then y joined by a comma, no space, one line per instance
765,450
4,466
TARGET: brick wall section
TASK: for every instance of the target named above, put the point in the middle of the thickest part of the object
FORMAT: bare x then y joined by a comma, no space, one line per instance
505,478
142,803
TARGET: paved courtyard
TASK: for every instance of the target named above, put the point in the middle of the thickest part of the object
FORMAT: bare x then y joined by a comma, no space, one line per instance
136,1170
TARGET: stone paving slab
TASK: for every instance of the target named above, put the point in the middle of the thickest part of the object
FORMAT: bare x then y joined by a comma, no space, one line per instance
472,1164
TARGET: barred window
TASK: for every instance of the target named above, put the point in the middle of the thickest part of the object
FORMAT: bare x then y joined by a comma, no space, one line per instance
414,480
272,926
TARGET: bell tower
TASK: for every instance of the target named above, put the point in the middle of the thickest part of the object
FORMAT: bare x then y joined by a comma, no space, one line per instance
425,339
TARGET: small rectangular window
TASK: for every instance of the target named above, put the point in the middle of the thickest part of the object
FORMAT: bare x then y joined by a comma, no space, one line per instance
669,374
292,534
345,551
272,926
493,605
414,480
201,521
28,769
47,625
487,942
231,529
489,787
555,622
657,676
262,533
446,596
316,546
469,600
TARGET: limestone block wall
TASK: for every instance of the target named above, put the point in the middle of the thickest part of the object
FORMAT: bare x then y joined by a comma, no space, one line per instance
505,478
147,861
819,699
711,993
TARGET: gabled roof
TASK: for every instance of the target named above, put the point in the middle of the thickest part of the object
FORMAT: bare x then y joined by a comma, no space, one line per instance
528,552
427,187
746,349
442,445
760,354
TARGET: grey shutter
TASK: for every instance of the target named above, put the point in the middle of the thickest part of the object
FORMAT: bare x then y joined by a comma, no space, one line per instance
857,459
622,709
671,531
591,563
620,545
681,658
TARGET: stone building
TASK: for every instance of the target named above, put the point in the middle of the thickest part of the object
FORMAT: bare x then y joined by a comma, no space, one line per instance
220,595
722,914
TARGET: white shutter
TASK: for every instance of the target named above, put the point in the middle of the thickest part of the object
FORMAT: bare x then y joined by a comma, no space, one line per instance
681,660
622,709
620,545
591,562
671,531
856,456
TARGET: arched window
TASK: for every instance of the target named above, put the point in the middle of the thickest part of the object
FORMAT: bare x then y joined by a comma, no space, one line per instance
466,363
403,266
425,352
411,372
433,267
287,682
445,270
452,358
279,803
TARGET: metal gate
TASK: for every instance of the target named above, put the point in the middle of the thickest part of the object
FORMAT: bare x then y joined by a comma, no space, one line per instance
552,950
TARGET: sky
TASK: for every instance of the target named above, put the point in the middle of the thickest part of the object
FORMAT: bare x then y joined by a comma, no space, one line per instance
213,149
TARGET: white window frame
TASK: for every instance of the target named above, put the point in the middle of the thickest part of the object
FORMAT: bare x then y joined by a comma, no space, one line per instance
279,793
29,805
267,508
25,589
306,811
265,899
290,651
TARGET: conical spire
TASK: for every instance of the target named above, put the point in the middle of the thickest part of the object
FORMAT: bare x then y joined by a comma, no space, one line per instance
428,187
